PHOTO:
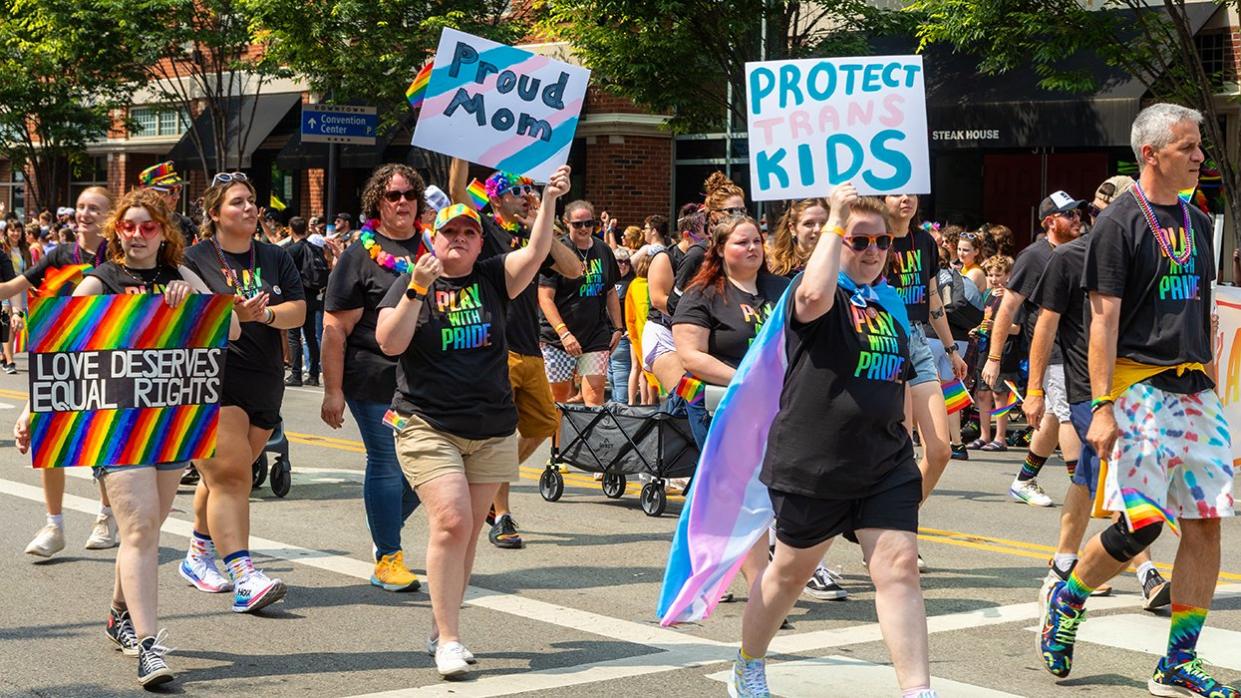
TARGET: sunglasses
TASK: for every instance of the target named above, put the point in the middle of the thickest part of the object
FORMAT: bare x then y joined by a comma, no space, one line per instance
394,196
578,225
229,178
860,243
1071,215
520,190
970,236
130,229
734,210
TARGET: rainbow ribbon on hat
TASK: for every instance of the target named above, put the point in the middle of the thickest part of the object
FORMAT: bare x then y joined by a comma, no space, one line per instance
478,194
417,90
956,397
1142,511
690,389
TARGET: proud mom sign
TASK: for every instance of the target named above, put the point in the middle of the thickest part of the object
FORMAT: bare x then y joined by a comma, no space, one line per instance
500,106
815,123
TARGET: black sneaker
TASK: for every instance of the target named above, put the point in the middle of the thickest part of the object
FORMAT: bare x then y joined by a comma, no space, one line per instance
825,585
959,452
313,381
293,382
491,516
10,369
504,534
120,630
1156,591
152,669
190,476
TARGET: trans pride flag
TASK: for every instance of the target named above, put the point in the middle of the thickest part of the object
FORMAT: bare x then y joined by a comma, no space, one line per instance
727,509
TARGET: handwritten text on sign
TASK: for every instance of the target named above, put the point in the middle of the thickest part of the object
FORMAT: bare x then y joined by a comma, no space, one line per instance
1228,359
815,123
500,106
109,380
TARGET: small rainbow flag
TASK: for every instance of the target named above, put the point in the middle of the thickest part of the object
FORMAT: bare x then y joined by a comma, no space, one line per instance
956,397
478,194
19,341
690,389
60,281
1001,410
395,421
1143,511
1012,388
1186,195
417,89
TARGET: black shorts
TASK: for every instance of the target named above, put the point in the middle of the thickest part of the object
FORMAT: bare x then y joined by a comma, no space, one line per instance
4,326
892,504
256,394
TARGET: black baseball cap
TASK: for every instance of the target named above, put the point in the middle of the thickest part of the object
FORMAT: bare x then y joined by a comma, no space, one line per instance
1058,202
343,217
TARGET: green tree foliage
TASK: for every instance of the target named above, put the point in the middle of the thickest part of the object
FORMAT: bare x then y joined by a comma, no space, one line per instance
1151,41
679,57
63,65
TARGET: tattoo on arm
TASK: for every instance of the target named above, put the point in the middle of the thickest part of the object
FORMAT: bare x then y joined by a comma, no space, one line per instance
937,313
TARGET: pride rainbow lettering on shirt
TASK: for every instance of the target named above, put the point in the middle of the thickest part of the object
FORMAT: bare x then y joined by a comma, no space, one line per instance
1179,282
468,322
251,284
592,279
907,276
880,358
755,316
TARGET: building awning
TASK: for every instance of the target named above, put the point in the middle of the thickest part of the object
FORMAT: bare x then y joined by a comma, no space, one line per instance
966,109
249,123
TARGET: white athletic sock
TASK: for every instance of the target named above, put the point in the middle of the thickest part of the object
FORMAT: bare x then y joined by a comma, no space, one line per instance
1063,561
1144,569
57,520
105,511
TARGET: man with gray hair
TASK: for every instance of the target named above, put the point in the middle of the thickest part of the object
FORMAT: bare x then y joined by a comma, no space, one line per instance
1156,419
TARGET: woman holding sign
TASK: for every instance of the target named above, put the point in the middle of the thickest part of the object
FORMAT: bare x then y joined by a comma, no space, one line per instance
843,465
269,298
55,274
453,410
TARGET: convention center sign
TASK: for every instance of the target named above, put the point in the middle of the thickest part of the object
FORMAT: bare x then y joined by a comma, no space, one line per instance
125,379
818,122
500,106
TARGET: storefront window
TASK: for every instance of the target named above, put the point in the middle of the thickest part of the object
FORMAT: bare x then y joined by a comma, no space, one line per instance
156,121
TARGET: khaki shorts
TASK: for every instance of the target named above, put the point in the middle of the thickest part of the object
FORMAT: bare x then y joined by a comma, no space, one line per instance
537,417
426,454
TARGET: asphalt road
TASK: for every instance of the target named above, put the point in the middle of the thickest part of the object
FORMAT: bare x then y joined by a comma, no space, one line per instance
570,615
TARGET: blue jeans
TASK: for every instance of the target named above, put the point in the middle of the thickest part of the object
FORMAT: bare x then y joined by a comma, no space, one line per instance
618,371
386,493
317,316
699,421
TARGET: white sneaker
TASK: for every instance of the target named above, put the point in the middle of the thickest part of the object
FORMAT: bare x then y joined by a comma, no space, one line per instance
433,644
450,659
255,591
1029,492
204,575
103,535
47,542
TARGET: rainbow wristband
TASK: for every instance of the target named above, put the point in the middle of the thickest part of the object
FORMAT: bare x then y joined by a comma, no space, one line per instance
1099,402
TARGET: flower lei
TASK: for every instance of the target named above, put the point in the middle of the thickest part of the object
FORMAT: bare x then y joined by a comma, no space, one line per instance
1165,238
398,265
512,227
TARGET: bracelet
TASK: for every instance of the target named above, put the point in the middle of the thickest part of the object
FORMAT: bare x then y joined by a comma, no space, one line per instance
839,231
417,288
994,358
1034,392
1098,403
558,327
271,317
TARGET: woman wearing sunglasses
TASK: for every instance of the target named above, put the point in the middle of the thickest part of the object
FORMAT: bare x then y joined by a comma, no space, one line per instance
55,274
357,374
844,464
269,298
144,251
582,320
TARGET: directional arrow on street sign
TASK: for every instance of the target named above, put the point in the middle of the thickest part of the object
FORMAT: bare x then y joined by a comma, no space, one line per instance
323,123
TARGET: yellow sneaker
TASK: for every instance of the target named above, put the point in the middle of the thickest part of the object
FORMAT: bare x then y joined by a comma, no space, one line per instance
391,574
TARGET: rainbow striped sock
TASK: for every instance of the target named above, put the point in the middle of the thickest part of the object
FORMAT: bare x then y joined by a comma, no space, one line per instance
201,546
1071,466
1032,466
239,565
1187,622
1075,591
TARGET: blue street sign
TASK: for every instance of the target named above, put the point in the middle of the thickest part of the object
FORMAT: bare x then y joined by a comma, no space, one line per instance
323,123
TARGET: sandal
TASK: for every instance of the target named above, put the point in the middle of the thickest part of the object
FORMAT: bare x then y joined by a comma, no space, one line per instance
994,446
975,445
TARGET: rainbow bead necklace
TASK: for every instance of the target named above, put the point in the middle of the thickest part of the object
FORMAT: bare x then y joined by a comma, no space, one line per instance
1165,239
397,265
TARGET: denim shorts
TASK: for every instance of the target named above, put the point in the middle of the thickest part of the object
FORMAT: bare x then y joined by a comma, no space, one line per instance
102,470
920,354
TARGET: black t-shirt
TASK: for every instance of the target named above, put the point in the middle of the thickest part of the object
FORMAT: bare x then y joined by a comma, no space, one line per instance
186,226
117,279
358,282
583,302
1027,270
622,290
914,259
1165,309
258,349
522,326
63,256
1060,291
733,317
840,427
454,374
1010,360
686,269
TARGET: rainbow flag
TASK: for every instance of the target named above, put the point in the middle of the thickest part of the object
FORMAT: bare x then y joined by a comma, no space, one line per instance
690,389
1001,410
394,421
1012,389
956,397
1142,511
127,430
727,509
417,90
478,194
60,281
19,341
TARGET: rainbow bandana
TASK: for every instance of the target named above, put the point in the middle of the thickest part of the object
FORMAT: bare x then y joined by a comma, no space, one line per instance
956,397
417,90
447,214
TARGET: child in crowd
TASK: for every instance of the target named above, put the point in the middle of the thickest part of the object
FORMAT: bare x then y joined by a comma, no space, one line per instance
988,396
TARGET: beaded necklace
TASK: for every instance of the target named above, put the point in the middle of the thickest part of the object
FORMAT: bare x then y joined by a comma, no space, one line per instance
230,274
512,227
397,265
1165,238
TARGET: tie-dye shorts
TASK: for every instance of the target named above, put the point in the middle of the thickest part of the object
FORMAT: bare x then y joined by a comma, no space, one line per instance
1173,458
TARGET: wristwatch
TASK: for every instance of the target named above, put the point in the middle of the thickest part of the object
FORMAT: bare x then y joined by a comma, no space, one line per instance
950,348
414,295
